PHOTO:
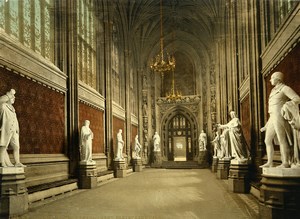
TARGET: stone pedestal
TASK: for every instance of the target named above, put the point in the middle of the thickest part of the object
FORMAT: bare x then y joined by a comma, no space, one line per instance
137,164
203,159
157,159
214,165
119,168
223,168
280,193
87,175
238,179
13,196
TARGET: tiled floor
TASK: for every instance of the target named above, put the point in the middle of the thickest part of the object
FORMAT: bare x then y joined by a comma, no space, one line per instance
153,193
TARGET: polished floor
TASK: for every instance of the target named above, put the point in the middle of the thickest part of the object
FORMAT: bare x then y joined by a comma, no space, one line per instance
153,193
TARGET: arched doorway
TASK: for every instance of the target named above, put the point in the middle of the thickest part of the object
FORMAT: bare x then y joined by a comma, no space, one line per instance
179,135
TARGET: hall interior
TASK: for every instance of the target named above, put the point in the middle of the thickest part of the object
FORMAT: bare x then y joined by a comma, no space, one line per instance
171,67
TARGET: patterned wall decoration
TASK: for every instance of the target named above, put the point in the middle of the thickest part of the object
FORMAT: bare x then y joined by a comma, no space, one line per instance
95,116
118,124
245,119
40,111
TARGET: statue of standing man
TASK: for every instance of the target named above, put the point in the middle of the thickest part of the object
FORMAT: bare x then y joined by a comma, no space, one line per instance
156,142
86,137
202,141
9,130
137,147
277,126
120,145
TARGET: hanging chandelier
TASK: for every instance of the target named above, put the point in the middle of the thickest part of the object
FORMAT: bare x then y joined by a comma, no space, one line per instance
173,96
163,61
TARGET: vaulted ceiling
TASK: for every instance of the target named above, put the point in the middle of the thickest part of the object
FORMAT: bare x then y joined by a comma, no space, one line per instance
189,26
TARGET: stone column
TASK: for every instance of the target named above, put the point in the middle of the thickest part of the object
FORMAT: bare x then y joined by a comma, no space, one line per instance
157,159
13,196
137,164
238,179
87,175
214,165
119,168
223,168
280,193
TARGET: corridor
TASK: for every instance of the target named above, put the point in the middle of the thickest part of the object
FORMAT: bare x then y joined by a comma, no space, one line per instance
153,193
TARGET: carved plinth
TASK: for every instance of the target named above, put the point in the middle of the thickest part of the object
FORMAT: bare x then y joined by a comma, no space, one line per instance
238,179
157,159
214,165
87,175
137,164
280,193
223,168
13,196
119,168
203,158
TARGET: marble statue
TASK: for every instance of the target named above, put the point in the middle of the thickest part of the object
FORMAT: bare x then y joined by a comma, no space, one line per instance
156,142
202,141
9,130
237,140
86,137
120,146
290,112
277,127
216,143
225,144
137,147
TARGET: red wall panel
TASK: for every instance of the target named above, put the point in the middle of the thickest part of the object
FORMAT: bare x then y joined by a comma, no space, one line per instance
245,119
41,114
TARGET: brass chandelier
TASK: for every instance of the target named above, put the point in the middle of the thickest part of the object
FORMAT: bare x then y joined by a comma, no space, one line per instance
163,61
173,96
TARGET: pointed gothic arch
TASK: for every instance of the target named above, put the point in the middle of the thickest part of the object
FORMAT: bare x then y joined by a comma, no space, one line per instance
179,129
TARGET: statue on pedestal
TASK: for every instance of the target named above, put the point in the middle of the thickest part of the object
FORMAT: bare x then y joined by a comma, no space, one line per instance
237,140
86,137
120,146
9,130
277,126
156,142
217,145
202,141
137,147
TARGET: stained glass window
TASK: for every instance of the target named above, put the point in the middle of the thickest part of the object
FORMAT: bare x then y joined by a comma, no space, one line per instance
86,50
31,22
2,10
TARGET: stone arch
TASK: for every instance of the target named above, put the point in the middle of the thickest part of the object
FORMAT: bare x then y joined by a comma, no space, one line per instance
191,138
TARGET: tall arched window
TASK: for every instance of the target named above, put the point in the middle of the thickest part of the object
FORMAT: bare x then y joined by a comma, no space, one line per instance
86,43
31,23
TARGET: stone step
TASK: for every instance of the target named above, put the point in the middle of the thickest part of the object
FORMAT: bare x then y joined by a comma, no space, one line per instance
49,190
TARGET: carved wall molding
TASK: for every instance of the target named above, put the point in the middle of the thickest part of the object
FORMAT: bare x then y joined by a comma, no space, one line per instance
285,40
90,96
29,64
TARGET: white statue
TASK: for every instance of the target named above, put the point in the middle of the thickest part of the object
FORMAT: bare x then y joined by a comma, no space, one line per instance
137,147
277,127
9,130
156,142
237,140
202,141
290,112
86,137
120,146
216,143
225,144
